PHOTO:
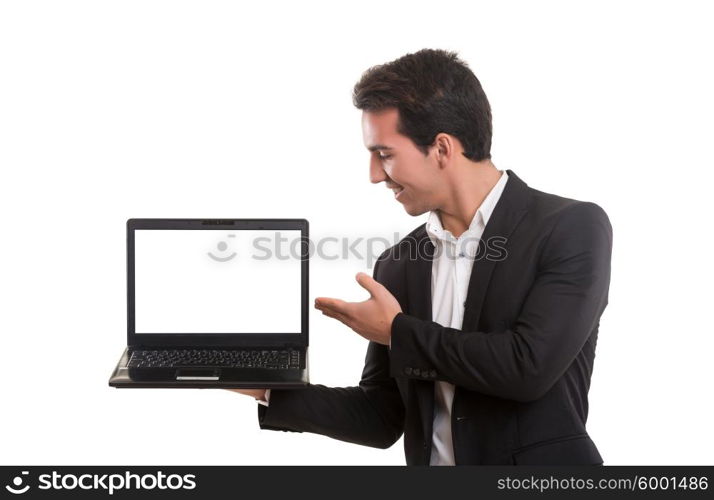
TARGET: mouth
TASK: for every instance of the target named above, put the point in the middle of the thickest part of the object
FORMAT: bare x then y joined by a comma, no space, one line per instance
397,191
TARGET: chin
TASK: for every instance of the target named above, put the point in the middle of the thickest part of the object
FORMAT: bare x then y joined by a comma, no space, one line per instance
414,211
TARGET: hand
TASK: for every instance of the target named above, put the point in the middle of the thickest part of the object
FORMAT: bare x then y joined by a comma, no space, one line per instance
256,393
371,318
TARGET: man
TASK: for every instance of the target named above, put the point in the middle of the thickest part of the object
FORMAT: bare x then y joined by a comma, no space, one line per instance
482,322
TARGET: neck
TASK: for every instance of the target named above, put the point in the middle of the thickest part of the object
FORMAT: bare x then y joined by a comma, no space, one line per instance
471,185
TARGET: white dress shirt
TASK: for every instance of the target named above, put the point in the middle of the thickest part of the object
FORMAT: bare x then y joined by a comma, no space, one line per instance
450,274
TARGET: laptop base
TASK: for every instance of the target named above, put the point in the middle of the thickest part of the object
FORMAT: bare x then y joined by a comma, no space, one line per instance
208,377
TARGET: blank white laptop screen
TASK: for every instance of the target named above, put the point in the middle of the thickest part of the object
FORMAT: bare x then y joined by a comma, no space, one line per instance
217,281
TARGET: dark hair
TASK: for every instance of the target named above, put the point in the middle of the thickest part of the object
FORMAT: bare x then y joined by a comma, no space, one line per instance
433,91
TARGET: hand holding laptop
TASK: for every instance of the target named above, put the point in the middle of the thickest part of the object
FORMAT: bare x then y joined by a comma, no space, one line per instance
256,393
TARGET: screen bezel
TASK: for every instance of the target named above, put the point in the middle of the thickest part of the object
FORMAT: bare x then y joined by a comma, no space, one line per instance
217,339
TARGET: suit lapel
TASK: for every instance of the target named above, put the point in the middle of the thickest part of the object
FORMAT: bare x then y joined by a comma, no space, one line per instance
507,213
419,276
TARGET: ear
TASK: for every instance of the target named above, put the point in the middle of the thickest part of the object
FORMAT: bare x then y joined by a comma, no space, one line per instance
444,148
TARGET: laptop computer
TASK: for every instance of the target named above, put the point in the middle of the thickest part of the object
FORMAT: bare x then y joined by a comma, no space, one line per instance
219,303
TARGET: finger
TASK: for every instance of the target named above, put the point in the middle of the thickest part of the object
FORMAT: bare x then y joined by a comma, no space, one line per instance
249,392
369,284
342,312
336,305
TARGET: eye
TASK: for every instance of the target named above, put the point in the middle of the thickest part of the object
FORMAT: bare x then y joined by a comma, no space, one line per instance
384,157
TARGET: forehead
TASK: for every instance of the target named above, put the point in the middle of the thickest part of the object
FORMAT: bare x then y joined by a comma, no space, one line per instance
380,127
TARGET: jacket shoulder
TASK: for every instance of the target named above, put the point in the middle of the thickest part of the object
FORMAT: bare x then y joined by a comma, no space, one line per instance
550,208
565,227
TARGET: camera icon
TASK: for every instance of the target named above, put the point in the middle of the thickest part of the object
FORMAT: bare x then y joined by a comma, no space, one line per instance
16,487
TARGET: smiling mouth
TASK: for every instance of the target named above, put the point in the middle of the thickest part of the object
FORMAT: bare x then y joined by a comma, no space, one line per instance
397,192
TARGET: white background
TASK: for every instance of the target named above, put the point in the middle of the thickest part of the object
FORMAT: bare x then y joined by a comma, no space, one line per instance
111,110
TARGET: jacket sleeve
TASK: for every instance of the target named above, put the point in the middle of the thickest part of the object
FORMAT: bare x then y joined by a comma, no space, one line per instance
370,414
561,310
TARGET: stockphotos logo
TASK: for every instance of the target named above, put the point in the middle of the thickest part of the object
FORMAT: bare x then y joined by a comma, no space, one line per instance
17,487
103,482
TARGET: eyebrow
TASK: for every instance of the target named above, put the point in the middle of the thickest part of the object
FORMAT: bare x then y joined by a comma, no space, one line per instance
378,146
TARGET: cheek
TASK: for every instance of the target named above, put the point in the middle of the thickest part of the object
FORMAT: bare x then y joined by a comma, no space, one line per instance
400,172
411,173
392,171
409,179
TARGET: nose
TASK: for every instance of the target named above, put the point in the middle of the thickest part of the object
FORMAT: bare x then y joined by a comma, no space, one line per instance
376,172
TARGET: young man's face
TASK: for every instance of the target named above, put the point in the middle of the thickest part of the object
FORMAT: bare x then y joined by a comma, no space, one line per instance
394,159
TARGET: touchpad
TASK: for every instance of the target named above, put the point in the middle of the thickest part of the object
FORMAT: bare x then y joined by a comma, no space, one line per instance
198,374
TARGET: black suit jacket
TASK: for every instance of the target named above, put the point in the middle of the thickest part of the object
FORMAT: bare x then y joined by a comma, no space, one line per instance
521,363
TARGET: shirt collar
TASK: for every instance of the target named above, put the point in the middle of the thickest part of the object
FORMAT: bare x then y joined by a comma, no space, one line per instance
433,224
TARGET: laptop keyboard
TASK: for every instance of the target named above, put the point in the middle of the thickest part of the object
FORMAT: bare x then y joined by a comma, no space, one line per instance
233,358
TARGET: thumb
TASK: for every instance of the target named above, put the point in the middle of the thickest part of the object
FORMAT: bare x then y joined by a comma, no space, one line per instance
369,284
